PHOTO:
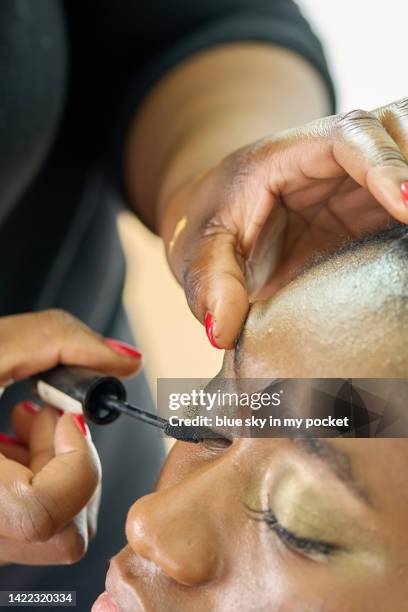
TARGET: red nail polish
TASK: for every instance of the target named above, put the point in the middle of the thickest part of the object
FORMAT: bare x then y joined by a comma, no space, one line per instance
30,407
124,348
209,328
80,421
404,191
60,412
6,439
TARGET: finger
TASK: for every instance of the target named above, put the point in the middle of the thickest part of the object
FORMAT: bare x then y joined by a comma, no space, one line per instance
41,453
10,448
73,475
216,290
212,255
64,548
36,506
42,436
35,342
22,419
367,152
394,118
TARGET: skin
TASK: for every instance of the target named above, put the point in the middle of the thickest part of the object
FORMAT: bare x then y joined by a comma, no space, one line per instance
50,473
232,228
165,147
236,218
194,543
351,308
267,208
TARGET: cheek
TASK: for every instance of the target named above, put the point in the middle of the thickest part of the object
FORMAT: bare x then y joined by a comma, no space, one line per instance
291,583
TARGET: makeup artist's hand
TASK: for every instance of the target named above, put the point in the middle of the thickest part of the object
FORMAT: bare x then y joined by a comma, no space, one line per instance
50,483
241,230
35,342
50,471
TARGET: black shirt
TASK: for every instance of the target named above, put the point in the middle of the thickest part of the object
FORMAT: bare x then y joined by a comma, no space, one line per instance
75,74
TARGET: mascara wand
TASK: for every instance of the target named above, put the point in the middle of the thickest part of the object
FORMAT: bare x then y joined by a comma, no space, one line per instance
102,399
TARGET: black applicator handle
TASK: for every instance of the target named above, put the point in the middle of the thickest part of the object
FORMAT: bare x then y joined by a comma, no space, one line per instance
80,390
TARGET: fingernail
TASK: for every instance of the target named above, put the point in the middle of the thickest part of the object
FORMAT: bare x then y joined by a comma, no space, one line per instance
80,421
124,348
209,328
60,412
6,439
31,407
404,191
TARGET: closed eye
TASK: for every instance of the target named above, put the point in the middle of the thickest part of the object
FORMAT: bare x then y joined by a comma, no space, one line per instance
311,548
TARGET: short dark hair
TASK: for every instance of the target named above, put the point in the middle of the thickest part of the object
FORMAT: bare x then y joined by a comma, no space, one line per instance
395,234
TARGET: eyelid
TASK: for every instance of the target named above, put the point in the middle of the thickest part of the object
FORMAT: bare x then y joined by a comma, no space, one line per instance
304,545
314,503
217,443
310,548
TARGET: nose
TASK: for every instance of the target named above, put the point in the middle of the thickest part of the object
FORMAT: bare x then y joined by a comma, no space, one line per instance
176,530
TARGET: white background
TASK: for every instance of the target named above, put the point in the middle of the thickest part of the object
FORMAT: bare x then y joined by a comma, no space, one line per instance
367,45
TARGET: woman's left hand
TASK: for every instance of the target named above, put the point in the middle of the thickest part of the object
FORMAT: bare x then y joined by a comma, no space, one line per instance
243,228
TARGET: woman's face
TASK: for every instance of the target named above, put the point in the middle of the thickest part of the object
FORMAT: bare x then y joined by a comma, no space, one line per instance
277,524
270,525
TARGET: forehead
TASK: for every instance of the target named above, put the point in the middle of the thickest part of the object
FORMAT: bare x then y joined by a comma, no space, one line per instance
342,318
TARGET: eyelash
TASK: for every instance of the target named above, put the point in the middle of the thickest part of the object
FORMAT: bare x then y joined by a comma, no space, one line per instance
303,545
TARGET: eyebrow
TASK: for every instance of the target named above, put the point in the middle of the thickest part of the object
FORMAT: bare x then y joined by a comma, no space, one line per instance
338,461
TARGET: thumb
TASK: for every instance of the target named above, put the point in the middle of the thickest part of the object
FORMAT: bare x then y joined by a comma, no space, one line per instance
64,485
216,289
41,504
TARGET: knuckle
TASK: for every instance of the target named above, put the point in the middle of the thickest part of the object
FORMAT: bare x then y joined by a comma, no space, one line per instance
394,118
58,317
355,121
352,125
388,156
215,226
58,323
197,272
400,108
193,282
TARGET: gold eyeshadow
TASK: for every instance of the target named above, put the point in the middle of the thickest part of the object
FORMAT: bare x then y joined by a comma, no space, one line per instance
316,506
